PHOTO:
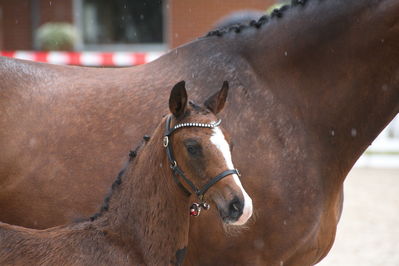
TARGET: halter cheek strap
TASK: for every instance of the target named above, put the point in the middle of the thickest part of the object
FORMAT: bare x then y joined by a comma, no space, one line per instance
177,172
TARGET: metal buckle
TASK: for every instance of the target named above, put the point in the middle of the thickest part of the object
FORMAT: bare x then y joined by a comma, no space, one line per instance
238,173
173,164
165,141
205,206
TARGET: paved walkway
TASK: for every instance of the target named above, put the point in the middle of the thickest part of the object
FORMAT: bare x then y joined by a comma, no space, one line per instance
368,233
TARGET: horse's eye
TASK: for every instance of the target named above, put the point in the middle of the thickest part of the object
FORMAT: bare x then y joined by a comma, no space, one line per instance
193,147
193,150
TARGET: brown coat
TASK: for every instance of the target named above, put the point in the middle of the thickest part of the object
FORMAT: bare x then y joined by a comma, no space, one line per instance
300,85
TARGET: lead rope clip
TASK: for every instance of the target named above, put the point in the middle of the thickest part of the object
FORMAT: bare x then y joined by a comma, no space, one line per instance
196,208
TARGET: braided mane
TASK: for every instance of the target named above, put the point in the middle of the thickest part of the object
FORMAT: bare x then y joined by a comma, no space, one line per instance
276,13
118,181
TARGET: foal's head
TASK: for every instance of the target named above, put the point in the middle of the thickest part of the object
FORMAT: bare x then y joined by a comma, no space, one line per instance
199,154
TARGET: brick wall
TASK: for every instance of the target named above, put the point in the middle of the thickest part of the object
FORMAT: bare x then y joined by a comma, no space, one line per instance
185,19
188,19
16,24
1,28
55,10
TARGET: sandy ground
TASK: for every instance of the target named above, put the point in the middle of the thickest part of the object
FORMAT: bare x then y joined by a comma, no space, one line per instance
368,233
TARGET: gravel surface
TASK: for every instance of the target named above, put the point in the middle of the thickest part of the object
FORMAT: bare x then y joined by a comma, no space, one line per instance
368,233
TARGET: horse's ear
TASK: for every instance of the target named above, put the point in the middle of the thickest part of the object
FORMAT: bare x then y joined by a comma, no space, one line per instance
215,103
178,99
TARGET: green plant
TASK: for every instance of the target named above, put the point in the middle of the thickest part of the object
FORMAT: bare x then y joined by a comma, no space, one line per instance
56,36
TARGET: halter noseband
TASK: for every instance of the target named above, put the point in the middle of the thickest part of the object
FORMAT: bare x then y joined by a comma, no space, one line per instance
196,207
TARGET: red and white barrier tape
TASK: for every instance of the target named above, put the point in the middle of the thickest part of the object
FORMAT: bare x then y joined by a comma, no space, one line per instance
85,58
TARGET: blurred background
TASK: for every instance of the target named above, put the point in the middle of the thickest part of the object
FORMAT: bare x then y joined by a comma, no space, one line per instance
147,27
130,32
115,25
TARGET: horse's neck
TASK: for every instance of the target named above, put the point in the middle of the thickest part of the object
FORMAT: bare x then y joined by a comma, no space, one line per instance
356,69
338,80
148,211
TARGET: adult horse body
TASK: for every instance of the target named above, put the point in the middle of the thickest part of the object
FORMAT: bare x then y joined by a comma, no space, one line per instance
309,93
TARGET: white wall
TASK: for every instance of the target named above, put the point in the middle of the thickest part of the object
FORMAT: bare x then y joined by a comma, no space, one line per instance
384,152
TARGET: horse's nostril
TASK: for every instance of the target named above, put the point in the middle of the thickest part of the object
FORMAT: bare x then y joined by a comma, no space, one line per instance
235,208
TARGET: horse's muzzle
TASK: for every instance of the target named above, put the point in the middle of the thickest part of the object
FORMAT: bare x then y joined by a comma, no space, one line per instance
232,211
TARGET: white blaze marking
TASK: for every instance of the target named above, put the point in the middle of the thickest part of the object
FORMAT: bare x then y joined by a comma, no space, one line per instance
220,142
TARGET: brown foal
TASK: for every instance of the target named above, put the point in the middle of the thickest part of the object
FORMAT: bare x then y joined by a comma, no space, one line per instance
146,218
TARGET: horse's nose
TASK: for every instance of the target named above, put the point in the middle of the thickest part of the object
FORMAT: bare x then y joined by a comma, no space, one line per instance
236,207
